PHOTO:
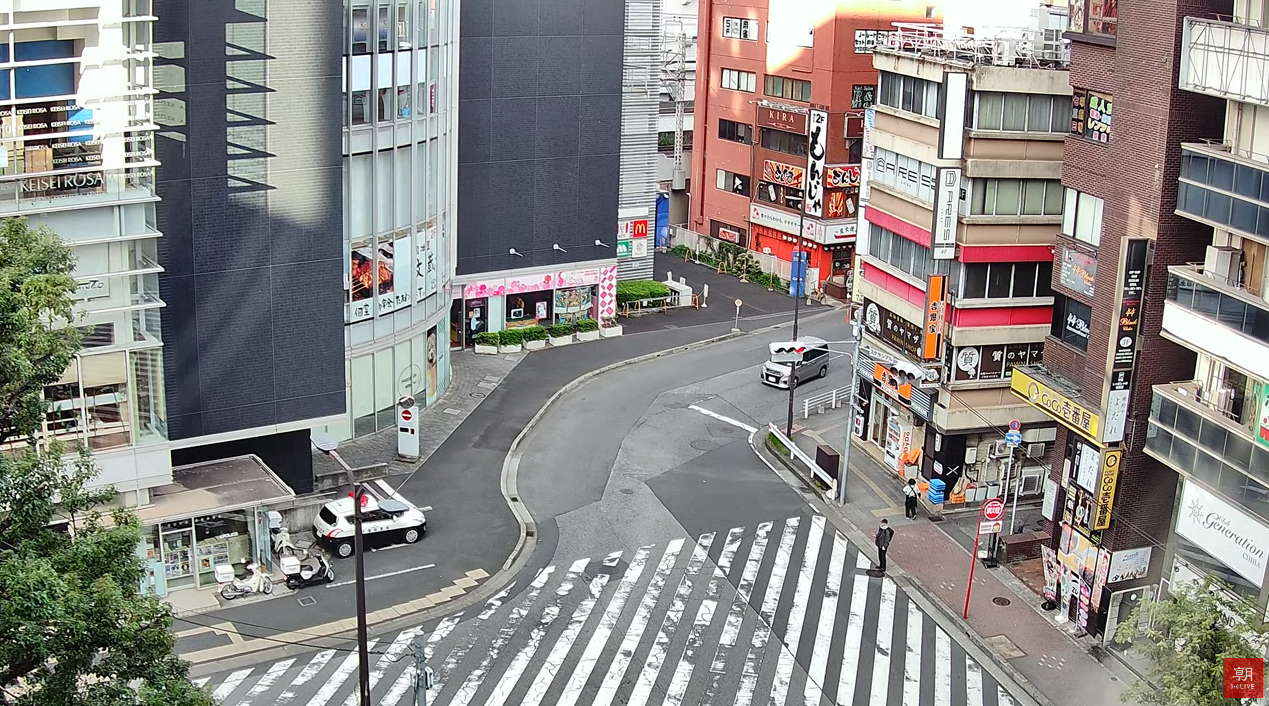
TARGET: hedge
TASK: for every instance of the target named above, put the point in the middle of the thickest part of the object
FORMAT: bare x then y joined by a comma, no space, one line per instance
559,330
639,289
533,333
486,338
510,337
587,325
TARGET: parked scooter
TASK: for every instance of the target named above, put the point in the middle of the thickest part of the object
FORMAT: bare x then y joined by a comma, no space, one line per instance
282,544
255,582
310,572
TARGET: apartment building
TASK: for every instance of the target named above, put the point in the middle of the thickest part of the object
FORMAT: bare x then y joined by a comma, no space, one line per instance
962,202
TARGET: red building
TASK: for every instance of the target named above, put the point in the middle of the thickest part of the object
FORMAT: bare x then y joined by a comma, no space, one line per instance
759,83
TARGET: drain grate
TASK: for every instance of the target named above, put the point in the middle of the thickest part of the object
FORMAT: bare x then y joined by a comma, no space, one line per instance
626,491
478,395
1001,600
306,601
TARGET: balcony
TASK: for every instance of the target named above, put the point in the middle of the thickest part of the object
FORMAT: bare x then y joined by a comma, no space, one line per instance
1224,188
1210,315
1199,440
1225,59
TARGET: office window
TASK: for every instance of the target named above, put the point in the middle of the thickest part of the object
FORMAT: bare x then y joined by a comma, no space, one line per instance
910,94
1071,322
788,88
730,181
734,80
1016,197
782,141
1005,280
904,255
1082,217
780,195
735,132
1020,112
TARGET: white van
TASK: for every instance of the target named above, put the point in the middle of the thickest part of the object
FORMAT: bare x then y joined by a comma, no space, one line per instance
814,364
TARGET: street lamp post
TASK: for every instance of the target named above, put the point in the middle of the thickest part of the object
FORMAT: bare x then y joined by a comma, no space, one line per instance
328,446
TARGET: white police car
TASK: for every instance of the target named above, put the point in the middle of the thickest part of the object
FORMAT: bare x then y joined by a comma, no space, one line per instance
386,518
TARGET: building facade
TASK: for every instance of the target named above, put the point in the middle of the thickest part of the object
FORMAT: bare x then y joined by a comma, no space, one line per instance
764,68
1111,357
962,202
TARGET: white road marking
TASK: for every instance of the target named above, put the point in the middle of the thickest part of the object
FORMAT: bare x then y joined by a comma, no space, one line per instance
306,675
266,681
669,625
695,638
729,549
555,658
736,423
973,683
942,666
1003,698
327,692
862,561
854,639
394,652
581,672
912,666
884,640
511,676
814,691
736,614
405,681
383,576
458,654
467,690
200,682
797,615
766,614
620,661
227,687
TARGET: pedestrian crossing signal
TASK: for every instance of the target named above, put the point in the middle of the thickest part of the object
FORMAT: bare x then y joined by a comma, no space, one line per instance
789,353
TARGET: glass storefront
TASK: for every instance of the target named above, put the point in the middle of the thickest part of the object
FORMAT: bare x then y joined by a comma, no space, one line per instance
380,375
184,553
531,299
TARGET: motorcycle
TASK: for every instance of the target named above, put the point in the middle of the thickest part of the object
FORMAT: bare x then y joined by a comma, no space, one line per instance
255,582
281,536
310,572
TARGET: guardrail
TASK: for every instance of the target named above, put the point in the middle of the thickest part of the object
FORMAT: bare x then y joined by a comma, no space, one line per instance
796,454
831,400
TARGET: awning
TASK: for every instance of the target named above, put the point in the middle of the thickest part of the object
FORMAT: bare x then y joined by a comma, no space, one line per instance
214,486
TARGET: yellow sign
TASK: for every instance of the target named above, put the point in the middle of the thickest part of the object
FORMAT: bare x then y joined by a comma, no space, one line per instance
1056,405
1106,483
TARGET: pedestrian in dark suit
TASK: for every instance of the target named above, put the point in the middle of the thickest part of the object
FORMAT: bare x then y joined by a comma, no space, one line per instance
884,535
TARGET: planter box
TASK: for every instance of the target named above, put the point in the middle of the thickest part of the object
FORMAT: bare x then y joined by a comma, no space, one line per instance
610,331
560,340
509,349
486,350
535,345
588,335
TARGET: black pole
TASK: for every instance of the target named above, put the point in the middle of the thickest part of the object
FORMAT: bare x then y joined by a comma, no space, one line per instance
363,652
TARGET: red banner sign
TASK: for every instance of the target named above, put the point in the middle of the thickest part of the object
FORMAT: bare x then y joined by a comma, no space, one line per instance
843,177
782,174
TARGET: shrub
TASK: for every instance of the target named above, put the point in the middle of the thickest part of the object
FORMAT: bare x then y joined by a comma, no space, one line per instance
511,337
680,251
636,290
559,330
587,325
774,442
487,338
533,333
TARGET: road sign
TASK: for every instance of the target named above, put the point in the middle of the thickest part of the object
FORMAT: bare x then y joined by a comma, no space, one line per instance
990,527
1013,438
406,415
993,509
1015,425
739,303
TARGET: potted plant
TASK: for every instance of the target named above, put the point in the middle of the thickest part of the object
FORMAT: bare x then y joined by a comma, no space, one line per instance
588,330
487,343
609,328
534,338
560,334
510,340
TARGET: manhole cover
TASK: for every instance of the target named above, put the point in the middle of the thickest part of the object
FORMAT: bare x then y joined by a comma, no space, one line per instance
626,491
704,445
306,601
1000,600
477,394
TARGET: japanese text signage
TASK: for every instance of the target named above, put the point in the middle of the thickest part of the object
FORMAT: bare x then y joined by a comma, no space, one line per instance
867,39
843,177
782,120
817,151
894,385
1062,408
891,328
1078,271
935,308
782,174
994,362
1123,346
1106,483
771,218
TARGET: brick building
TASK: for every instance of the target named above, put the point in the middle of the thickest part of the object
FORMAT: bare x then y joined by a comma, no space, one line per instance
1108,504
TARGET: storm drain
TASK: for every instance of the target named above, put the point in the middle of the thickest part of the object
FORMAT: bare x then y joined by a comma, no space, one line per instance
1000,600
306,601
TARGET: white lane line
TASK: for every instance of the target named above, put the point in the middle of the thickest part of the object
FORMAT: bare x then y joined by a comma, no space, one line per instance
854,639
405,681
736,423
403,641
884,644
227,687
942,665
695,638
555,658
621,660
736,614
973,683
1003,698
467,690
324,695
266,681
306,675
511,676
669,625
729,549
581,672
766,614
458,654
200,682
383,576
814,691
797,615
912,665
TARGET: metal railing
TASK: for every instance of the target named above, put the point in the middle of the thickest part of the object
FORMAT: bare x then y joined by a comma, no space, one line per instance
825,400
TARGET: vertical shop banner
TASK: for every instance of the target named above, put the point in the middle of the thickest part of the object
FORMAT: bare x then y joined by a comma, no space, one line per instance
946,208
1107,480
935,311
797,276
433,358
426,265
952,126
817,149
1124,333
361,287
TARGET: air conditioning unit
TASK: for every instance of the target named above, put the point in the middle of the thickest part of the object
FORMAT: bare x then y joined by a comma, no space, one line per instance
1000,449
1036,435
1035,451
1223,264
1004,53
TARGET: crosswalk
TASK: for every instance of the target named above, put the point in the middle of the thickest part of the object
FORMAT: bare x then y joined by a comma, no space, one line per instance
779,614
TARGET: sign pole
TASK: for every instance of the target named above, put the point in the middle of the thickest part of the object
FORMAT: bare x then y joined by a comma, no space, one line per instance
973,559
989,515
736,328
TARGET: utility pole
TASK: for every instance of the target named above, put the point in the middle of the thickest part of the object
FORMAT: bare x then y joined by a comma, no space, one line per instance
423,677
856,330
328,446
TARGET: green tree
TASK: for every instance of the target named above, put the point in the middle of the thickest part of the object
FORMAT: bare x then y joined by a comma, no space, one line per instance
75,629
1185,641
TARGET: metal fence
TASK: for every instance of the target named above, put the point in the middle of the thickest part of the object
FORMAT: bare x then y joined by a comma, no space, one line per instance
720,249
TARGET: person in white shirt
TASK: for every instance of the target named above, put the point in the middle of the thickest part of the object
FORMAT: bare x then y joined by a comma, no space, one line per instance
910,494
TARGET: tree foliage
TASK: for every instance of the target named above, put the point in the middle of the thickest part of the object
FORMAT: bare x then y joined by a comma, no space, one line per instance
1185,641
75,629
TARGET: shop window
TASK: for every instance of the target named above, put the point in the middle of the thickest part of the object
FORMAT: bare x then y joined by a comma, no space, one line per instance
735,132
1071,322
1004,280
743,81
788,88
220,540
782,141
780,195
1082,217
572,304
529,309
148,399
1015,197
730,181
1091,115
728,233
1100,17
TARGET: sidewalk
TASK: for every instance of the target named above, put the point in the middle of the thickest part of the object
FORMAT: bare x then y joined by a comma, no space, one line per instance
1004,615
